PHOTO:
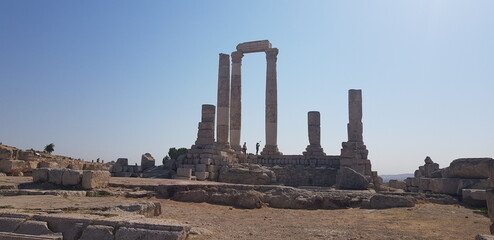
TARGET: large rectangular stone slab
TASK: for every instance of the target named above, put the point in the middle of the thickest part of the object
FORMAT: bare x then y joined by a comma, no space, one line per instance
470,168
99,232
55,176
41,174
71,177
17,236
125,233
10,224
32,227
474,197
452,186
184,172
12,166
95,179
254,46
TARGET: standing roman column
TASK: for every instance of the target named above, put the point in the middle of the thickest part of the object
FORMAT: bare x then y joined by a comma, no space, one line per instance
235,100
355,126
271,147
354,147
223,119
314,127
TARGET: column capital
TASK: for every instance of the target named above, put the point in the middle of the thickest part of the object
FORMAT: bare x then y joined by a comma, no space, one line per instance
237,56
271,54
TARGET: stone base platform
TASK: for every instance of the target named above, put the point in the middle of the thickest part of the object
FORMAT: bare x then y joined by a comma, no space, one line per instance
82,226
270,150
314,151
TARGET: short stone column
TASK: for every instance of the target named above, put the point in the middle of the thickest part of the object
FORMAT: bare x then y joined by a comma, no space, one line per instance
314,127
271,147
205,134
223,118
354,147
235,100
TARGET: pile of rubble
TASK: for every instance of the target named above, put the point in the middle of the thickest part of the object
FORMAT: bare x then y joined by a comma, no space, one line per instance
466,178
16,162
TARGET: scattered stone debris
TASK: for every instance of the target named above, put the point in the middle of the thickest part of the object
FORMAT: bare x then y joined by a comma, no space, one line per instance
469,174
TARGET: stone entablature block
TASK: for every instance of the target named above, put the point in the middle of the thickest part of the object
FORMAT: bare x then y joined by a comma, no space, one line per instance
254,46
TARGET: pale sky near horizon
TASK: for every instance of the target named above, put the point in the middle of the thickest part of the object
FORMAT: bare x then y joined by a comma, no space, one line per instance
110,79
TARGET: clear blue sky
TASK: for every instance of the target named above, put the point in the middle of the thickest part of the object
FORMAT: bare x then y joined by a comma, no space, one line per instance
109,79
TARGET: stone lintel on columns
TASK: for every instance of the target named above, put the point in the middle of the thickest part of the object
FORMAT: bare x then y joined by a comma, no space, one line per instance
254,46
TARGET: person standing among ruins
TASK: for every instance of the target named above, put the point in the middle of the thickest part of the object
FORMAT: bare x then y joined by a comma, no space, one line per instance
257,148
244,148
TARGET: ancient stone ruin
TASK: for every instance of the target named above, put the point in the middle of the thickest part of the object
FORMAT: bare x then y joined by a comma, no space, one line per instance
213,158
466,178
17,162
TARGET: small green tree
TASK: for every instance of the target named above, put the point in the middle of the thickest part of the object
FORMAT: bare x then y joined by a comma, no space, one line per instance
173,153
50,148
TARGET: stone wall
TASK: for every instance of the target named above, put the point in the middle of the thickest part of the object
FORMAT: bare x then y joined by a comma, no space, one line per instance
17,162
86,179
465,178
59,226
298,161
121,168
307,176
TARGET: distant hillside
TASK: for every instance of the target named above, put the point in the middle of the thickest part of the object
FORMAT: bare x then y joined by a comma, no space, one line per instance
386,178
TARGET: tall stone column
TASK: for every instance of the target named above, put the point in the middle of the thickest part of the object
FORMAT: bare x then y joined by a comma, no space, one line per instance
314,128
271,147
223,116
235,100
355,127
354,147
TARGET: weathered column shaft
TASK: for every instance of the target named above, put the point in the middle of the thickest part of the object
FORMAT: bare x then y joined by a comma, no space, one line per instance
314,148
314,126
223,119
355,148
271,98
355,126
205,133
235,100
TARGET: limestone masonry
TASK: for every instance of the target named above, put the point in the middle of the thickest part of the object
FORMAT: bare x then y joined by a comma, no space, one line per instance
213,157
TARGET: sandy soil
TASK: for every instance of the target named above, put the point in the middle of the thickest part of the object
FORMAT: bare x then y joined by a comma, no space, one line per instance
425,221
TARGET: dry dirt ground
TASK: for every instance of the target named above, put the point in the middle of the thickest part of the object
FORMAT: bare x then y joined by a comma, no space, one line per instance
424,221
